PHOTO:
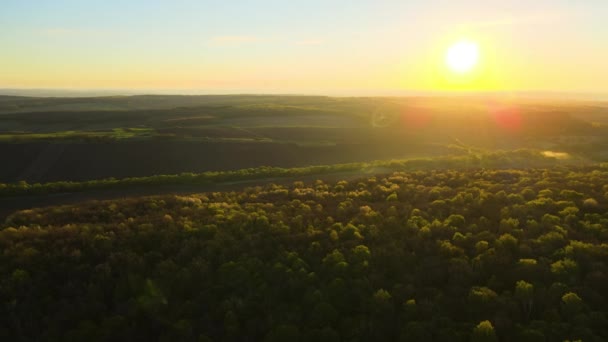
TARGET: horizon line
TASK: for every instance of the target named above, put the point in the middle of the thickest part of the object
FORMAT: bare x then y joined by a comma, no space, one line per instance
104,92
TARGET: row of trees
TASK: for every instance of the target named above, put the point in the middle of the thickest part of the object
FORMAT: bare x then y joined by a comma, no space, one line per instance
510,255
501,159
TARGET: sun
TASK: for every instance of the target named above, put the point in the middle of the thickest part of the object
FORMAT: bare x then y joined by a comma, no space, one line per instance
462,56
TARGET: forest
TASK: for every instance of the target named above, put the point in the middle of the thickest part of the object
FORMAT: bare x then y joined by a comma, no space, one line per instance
421,255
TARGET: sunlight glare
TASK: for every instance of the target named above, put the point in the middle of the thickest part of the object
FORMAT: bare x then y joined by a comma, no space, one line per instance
462,56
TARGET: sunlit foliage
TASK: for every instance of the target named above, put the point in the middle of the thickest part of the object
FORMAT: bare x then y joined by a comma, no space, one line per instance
477,255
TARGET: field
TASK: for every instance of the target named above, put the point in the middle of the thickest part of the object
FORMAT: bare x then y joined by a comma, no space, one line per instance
303,218
79,139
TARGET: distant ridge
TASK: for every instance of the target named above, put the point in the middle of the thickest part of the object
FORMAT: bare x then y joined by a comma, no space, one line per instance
533,94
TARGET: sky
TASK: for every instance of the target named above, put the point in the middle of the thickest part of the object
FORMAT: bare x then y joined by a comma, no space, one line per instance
302,46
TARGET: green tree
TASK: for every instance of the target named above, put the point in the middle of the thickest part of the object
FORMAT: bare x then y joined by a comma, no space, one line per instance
416,331
572,304
484,332
524,293
282,333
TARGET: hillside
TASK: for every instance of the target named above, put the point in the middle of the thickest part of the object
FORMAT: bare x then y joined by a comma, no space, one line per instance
139,136
442,255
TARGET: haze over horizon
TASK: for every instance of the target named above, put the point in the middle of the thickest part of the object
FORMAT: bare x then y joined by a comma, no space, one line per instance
312,47
504,95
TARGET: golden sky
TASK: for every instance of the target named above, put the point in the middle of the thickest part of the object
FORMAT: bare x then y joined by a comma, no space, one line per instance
303,46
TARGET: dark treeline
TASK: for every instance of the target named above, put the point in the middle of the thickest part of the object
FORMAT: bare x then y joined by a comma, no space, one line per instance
509,255
499,159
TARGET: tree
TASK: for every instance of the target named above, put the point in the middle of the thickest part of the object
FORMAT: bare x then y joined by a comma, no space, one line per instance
484,332
416,331
324,315
381,302
283,333
590,204
481,300
524,292
392,197
572,304
532,335
565,269
323,335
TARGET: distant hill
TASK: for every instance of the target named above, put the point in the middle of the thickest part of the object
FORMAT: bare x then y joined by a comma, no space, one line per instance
84,138
20,104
